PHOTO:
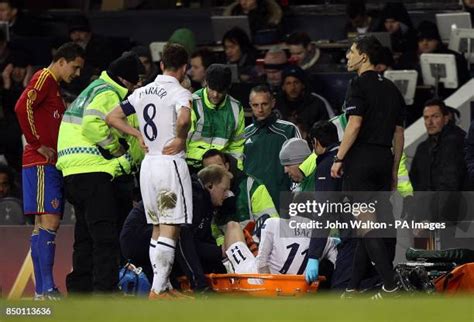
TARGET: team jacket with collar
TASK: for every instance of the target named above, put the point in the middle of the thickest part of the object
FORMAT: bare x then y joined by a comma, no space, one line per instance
263,142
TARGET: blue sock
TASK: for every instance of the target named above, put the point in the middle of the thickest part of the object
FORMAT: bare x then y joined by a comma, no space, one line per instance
36,263
47,247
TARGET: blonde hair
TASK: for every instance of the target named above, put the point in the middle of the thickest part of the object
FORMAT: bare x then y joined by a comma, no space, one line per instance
213,174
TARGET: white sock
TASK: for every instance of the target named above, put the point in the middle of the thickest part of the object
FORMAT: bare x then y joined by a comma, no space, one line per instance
242,258
152,254
164,258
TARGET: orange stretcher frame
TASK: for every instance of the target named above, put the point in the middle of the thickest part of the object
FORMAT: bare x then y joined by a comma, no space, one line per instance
263,285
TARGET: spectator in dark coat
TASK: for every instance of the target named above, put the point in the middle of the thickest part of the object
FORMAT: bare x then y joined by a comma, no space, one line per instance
297,104
439,165
15,76
201,59
274,62
429,42
19,24
395,20
151,69
306,54
360,21
98,49
240,51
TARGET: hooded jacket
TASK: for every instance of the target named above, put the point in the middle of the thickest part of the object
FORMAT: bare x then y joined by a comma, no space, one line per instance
405,38
84,135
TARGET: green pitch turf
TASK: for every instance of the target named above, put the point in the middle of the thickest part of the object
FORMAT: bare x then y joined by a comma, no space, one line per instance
228,309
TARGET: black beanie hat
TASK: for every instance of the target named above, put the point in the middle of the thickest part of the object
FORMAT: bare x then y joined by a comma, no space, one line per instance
398,12
127,66
294,71
218,77
79,23
428,30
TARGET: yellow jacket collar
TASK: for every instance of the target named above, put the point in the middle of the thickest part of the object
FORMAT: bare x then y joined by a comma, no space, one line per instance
119,88
209,104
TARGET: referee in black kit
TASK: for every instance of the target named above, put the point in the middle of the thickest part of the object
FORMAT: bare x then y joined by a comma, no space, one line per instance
375,111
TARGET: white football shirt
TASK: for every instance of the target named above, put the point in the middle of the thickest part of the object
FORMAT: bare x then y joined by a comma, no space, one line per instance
284,250
157,105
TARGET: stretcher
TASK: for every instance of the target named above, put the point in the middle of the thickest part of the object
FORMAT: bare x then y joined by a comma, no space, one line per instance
263,285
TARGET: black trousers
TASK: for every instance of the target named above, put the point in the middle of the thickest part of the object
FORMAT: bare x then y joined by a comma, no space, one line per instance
326,268
368,173
198,257
345,258
123,191
368,170
95,258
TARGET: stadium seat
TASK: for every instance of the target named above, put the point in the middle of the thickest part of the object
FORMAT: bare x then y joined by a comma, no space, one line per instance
156,49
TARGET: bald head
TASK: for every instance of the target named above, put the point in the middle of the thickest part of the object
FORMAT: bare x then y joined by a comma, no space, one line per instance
275,61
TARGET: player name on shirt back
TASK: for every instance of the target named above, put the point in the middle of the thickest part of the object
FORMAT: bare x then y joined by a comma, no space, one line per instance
154,90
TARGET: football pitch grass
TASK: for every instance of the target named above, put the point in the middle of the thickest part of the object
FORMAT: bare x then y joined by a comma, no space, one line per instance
224,308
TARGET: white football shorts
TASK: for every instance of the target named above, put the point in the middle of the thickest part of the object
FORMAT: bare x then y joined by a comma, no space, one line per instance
165,185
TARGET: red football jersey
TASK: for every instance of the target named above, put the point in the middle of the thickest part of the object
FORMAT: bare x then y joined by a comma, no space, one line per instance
39,110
